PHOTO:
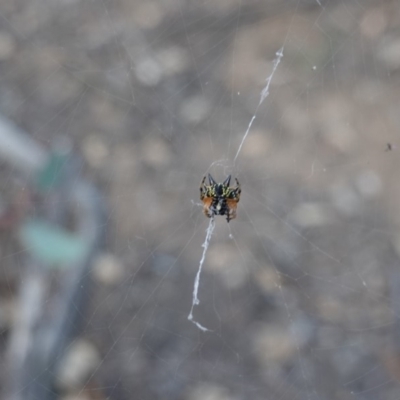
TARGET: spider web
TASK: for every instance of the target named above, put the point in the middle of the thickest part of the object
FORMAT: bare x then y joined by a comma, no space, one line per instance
299,295
211,226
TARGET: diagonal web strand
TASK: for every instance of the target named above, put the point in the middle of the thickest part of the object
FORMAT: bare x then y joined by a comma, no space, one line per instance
264,94
196,300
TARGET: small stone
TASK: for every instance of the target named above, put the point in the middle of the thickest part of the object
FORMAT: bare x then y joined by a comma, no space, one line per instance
161,264
150,204
209,391
257,144
342,16
274,344
268,279
80,361
329,336
234,277
303,328
345,199
389,53
329,308
148,72
156,153
347,358
134,361
7,46
174,60
28,20
7,314
46,59
109,117
309,215
296,120
78,396
60,88
369,184
223,261
69,3
396,243
108,269
334,115
368,91
194,110
340,135
95,150
148,14
221,7
373,23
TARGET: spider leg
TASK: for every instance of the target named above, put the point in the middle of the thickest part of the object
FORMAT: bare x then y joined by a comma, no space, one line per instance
237,184
227,181
238,189
211,180
202,188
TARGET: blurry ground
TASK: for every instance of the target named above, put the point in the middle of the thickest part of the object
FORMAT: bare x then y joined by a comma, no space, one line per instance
153,93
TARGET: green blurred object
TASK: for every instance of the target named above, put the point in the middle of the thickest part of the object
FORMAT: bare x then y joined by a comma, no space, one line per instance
51,245
50,176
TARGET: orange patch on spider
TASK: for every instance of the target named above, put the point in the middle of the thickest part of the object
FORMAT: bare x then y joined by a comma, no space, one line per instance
207,201
232,203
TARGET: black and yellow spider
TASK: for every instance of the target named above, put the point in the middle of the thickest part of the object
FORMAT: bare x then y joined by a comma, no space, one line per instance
219,198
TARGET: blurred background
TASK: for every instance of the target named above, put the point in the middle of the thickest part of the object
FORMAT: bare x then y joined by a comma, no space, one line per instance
111,112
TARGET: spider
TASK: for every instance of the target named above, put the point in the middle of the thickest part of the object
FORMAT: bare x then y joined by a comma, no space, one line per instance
219,198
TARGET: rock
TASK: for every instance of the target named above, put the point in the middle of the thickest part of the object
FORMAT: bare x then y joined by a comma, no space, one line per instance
257,144
108,116
310,214
389,53
373,23
147,14
79,362
369,184
8,311
148,71
329,308
334,121
108,269
59,89
95,150
345,199
194,110
156,153
79,396
268,279
174,60
7,46
273,343
279,343
223,260
209,391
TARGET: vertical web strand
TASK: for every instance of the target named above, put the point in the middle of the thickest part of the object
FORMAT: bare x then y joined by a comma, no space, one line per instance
264,94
